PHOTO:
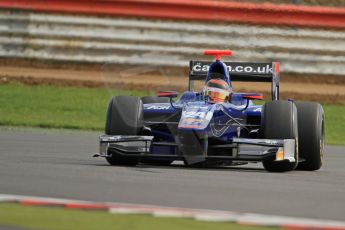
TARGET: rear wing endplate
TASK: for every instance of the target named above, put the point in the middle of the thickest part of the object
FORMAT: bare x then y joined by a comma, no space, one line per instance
240,71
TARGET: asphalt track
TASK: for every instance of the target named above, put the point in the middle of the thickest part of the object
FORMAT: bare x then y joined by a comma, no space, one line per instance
59,164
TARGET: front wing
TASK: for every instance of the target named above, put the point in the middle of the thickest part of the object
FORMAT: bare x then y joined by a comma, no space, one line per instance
242,149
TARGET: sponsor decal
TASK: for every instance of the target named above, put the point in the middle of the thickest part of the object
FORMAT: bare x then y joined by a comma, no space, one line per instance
263,68
192,120
159,107
271,142
192,114
201,68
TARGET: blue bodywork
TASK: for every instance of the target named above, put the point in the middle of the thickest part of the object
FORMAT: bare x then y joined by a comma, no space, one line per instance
197,113
209,122
196,129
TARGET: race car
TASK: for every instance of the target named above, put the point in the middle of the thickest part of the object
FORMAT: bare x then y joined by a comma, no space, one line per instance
215,125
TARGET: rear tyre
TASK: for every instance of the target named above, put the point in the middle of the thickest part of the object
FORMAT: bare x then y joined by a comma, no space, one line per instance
311,130
280,122
124,117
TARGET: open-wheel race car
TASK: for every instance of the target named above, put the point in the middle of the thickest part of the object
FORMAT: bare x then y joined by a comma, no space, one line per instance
216,126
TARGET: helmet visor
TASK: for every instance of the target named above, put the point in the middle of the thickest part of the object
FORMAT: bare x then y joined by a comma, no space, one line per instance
217,95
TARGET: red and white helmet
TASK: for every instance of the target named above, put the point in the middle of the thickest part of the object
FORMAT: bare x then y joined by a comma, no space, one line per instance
217,91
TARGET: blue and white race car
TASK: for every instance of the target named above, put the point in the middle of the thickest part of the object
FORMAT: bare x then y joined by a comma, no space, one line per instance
216,126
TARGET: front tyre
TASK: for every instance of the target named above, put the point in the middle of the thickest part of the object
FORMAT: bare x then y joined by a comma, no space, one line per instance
124,117
280,122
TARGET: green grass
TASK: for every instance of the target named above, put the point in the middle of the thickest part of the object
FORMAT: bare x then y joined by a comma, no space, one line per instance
55,107
335,124
84,108
58,218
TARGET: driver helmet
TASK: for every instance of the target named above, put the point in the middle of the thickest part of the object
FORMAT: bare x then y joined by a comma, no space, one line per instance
217,91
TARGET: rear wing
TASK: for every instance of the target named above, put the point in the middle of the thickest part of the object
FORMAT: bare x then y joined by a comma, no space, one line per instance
240,71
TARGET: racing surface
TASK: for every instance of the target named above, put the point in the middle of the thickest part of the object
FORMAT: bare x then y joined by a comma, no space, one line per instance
59,164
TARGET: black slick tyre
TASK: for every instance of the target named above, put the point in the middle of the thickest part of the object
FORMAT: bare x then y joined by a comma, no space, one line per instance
124,117
311,130
279,121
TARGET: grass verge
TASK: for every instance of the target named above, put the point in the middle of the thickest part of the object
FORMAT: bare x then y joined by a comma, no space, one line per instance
56,107
15,215
84,108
